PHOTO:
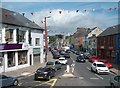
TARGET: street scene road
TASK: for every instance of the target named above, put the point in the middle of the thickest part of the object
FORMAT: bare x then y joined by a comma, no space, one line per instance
77,76
59,44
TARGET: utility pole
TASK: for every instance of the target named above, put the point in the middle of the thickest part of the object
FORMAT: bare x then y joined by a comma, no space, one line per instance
46,41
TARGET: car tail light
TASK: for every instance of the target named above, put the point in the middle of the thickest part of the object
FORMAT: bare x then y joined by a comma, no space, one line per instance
45,73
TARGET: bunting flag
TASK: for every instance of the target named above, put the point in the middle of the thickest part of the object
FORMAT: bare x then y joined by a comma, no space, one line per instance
110,9
42,21
77,11
115,8
32,13
6,14
23,14
60,12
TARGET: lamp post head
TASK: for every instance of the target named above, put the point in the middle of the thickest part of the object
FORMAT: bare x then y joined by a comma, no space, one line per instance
48,17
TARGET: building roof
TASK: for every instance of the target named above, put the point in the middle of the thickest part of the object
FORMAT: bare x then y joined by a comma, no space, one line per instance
14,18
81,32
111,31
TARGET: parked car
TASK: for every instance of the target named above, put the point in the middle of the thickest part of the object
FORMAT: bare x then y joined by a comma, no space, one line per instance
100,68
54,64
56,54
115,81
93,59
109,65
62,60
68,51
44,73
67,55
80,58
8,81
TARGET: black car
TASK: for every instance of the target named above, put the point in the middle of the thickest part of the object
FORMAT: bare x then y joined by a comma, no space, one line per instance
7,81
44,73
80,58
67,51
67,55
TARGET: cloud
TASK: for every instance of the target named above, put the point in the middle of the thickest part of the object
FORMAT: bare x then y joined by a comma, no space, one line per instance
67,22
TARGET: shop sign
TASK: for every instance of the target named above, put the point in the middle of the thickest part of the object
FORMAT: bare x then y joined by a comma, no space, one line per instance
36,51
10,46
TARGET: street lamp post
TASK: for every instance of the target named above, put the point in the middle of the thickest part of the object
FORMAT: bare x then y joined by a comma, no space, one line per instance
46,39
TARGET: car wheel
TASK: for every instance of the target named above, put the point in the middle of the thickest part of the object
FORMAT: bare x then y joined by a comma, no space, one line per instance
48,78
91,69
112,85
15,83
97,71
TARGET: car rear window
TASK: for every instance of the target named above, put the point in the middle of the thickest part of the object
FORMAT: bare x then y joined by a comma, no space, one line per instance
101,65
42,69
50,63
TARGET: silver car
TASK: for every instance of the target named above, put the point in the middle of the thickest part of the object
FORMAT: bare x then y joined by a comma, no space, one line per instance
8,81
115,81
54,64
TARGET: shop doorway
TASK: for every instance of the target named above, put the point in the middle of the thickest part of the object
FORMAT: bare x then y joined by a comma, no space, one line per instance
36,59
30,59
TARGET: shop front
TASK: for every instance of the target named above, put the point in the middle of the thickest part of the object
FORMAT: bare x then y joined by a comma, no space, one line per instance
13,58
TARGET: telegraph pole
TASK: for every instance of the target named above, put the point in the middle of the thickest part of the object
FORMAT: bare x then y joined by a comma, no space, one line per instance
46,41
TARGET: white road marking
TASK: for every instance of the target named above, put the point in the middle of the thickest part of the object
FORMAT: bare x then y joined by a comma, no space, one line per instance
98,76
88,68
25,73
73,61
81,77
94,78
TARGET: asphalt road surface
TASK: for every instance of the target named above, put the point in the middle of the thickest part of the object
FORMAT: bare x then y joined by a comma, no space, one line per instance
79,75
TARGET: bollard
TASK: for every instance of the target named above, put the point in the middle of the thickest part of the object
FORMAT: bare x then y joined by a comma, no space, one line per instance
68,68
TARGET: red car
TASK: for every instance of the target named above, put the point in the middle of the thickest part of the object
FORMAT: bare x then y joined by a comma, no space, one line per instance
109,65
93,59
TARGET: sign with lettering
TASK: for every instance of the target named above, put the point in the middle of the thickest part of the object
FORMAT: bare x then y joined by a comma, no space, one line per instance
10,46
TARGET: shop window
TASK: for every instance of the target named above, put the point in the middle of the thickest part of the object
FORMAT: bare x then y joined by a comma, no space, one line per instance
1,59
22,57
22,36
11,59
37,41
9,35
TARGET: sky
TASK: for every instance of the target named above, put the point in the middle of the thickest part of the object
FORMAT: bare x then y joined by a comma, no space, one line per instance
89,15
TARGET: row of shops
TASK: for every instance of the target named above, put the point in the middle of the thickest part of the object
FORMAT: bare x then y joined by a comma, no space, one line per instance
21,42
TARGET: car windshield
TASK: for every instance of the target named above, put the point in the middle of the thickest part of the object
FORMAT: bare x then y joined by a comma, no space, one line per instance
101,65
42,69
61,59
81,57
49,63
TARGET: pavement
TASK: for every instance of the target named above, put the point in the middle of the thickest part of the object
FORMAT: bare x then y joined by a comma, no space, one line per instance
27,71
115,71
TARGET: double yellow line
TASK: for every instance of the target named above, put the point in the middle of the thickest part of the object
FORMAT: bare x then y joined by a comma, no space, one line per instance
49,83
